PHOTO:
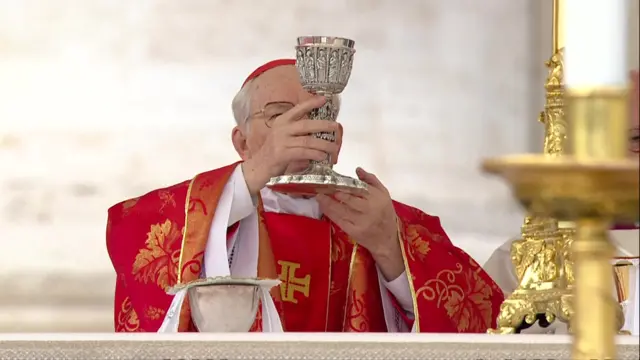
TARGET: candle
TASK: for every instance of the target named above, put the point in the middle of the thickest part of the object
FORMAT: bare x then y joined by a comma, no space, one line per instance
595,38
558,25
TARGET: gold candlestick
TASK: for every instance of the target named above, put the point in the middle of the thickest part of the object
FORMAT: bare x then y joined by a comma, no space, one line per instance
541,258
593,186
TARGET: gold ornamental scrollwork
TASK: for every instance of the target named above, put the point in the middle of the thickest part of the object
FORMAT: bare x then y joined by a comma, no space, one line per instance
553,115
541,295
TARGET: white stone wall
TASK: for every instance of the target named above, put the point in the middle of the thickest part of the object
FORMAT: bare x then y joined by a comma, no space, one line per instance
101,100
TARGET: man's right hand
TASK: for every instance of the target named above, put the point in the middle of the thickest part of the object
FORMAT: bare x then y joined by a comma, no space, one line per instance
290,141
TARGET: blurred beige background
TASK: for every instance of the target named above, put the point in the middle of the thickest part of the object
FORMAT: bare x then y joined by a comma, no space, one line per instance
101,100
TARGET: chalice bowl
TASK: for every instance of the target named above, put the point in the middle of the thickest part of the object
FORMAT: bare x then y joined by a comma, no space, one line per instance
324,65
224,304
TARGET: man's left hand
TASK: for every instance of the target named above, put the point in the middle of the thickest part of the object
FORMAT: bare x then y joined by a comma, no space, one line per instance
370,220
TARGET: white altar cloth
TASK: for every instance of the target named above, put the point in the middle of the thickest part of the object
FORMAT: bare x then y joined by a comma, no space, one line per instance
278,346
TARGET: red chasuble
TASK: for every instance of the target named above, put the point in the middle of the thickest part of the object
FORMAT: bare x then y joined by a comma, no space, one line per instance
328,282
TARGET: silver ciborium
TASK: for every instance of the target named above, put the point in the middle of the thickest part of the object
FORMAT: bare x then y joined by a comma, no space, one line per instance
224,304
324,65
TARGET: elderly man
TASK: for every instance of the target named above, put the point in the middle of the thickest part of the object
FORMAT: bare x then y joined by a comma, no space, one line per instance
626,237
346,263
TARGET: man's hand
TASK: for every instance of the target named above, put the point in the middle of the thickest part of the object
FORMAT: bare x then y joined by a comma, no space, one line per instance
370,220
289,141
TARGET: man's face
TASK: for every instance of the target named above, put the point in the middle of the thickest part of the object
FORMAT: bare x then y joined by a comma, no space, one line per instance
634,131
273,93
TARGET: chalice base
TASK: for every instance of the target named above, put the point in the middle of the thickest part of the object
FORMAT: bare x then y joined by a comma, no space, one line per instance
317,180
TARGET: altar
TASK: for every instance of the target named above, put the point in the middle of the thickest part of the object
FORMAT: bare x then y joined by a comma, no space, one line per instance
278,346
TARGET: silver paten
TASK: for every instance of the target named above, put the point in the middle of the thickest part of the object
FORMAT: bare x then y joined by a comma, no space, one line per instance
324,65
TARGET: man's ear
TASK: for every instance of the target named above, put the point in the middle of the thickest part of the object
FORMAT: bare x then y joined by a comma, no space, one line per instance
239,140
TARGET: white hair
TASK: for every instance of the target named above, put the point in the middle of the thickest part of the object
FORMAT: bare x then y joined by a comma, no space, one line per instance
241,103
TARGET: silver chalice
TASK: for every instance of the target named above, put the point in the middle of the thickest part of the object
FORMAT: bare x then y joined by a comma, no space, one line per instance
324,65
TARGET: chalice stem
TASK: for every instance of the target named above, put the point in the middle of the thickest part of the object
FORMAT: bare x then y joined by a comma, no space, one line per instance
594,322
328,111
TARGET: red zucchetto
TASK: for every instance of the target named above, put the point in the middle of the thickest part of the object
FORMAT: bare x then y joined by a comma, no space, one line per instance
266,67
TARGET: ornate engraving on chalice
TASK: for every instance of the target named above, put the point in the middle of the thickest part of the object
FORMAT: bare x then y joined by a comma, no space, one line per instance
223,304
324,65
